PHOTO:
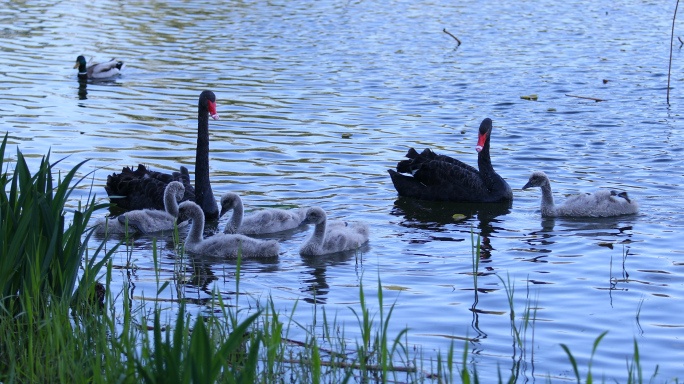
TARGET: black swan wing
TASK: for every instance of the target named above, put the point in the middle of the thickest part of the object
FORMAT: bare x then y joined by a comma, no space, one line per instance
416,160
441,181
142,188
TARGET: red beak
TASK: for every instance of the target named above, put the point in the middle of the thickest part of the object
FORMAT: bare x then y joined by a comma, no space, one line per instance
212,110
481,142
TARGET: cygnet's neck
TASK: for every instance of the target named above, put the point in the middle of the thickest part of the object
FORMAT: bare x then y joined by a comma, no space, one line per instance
197,228
318,236
170,203
547,206
236,219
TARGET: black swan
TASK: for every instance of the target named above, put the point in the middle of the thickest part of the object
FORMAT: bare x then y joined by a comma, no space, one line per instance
269,220
143,188
99,70
602,203
147,220
332,237
442,178
222,244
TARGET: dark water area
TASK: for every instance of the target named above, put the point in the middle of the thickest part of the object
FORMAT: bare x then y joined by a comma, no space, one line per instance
318,99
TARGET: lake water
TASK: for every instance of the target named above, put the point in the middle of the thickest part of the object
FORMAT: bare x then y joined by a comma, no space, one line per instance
318,99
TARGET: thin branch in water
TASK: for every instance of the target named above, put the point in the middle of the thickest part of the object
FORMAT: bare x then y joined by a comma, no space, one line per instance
669,68
588,98
681,42
455,38
342,364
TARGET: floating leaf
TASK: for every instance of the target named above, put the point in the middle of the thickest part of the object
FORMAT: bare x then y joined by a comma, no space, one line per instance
551,109
395,288
458,217
346,135
530,97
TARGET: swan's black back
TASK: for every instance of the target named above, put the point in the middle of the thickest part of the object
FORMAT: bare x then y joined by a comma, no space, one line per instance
142,188
416,161
429,176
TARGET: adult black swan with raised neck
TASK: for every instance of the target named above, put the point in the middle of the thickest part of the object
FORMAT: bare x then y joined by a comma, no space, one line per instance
429,176
142,188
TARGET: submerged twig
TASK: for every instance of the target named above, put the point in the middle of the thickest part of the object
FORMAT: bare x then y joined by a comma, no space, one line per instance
455,38
342,364
302,344
588,98
681,42
669,68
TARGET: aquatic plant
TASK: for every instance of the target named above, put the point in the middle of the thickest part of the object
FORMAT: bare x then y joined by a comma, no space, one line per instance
41,257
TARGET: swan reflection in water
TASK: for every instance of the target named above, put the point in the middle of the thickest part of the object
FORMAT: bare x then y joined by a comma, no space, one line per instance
201,271
601,231
441,217
316,284
433,216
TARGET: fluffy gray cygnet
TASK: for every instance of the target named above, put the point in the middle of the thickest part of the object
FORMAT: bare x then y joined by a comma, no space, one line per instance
147,220
336,236
222,244
602,203
264,221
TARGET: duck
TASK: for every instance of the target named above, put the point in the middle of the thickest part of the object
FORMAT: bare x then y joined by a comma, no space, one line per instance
602,203
144,189
429,176
147,220
269,220
336,236
99,70
222,245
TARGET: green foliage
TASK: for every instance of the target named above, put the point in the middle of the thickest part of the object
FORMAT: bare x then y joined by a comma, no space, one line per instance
573,362
40,257
191,354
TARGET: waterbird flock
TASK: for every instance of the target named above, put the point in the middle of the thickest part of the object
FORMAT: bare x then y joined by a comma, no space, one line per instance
152,198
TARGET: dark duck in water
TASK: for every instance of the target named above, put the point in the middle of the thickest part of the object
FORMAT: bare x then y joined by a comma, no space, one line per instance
99,70
429,176
144,189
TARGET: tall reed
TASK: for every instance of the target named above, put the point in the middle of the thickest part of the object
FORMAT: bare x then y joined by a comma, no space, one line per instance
41,257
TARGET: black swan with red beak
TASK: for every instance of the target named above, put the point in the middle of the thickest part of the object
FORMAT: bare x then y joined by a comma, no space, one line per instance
429,176
144,189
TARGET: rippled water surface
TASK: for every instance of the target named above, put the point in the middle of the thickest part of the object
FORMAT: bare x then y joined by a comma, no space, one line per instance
318,99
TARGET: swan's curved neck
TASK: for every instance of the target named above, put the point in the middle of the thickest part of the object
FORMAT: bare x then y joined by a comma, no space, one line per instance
547,206
316,241
197,227
170,204
236,219
319,233
204,197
